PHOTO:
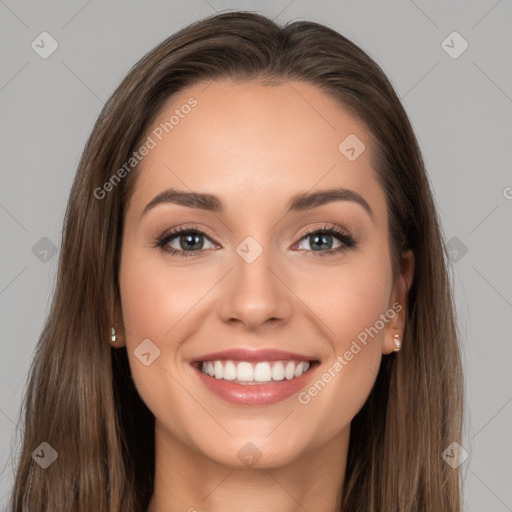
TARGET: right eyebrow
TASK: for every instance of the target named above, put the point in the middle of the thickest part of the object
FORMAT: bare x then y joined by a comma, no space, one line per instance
198,200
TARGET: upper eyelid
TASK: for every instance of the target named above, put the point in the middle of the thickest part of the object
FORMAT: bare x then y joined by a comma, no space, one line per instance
325,227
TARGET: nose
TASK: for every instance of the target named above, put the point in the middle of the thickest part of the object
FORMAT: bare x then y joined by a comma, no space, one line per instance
255,294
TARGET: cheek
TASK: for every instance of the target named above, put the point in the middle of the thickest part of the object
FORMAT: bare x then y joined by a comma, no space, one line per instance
349,298
351,306
359,300
155,300
155,297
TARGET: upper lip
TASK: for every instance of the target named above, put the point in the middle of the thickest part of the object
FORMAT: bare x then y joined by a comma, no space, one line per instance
247,354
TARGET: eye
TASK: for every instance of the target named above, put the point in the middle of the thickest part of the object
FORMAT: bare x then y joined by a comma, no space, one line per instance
320,239
183,241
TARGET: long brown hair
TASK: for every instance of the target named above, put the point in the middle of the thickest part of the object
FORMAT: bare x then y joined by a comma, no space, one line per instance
80,395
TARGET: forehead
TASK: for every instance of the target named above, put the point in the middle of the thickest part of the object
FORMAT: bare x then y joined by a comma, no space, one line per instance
242,140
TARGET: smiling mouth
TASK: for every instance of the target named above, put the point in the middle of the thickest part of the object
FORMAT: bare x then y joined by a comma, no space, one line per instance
254,373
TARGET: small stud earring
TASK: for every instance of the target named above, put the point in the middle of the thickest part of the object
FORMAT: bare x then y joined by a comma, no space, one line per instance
113,336
397,343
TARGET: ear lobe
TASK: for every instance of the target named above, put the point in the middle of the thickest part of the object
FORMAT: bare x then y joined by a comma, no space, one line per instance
395,329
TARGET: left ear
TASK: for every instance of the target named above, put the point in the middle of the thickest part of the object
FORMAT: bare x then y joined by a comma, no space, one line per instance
398,302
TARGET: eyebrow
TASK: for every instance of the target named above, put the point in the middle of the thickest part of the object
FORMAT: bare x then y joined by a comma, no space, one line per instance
299,202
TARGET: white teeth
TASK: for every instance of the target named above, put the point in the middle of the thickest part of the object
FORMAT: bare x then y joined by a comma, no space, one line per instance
229,371
278,371
299,369
244,372
219,371
263,371
289,371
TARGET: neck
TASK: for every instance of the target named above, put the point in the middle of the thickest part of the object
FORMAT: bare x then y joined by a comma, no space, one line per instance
186,480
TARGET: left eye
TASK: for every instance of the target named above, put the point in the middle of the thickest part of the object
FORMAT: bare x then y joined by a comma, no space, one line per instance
320,240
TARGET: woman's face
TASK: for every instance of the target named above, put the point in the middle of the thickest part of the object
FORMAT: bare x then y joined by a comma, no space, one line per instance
250,277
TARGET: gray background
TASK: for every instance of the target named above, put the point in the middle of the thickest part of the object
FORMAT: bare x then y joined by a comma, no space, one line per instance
460,109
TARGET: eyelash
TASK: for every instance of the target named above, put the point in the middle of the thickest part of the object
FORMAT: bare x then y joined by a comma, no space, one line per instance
347,240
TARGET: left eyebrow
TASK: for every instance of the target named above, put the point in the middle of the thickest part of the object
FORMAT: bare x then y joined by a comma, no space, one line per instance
298,202
308,201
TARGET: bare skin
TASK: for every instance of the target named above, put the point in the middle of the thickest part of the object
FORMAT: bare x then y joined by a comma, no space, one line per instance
255,147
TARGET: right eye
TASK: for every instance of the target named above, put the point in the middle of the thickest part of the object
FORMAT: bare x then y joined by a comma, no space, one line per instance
189,241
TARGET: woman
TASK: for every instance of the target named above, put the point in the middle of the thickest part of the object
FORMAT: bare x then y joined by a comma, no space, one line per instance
252,310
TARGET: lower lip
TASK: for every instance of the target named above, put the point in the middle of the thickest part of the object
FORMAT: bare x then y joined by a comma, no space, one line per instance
256,394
